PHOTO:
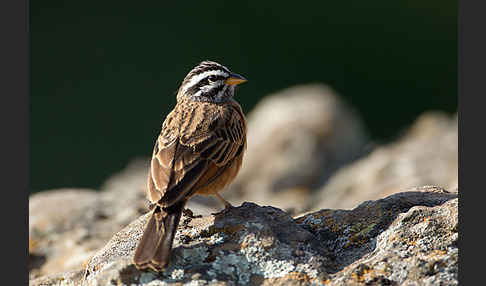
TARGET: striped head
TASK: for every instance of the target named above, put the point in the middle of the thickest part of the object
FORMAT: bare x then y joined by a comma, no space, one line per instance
209,82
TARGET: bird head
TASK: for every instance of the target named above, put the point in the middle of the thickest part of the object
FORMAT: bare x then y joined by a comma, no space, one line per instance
209,82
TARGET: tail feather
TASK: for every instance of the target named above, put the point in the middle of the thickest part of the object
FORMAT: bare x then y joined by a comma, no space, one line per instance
155,247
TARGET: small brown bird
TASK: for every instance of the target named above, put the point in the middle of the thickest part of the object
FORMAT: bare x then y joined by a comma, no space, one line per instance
198,151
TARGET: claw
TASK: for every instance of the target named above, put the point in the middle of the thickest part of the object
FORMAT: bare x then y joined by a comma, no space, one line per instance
227,206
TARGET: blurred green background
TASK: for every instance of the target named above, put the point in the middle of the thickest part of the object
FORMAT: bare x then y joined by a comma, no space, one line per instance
104,73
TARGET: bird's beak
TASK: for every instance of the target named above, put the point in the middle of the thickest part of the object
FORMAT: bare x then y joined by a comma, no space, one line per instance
235,79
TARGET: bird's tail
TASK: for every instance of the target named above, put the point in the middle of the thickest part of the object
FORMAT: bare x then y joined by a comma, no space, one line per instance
154,248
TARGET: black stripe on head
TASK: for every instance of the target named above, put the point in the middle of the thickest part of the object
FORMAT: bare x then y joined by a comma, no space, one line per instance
213,91
203,89
195,88
204,82
204,67
216,77
210,93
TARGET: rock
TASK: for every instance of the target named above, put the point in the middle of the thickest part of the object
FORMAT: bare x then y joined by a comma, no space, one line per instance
350,234
408,238
297,138
64,238
426,155
59,230
68,278
245,244
67,226
420,247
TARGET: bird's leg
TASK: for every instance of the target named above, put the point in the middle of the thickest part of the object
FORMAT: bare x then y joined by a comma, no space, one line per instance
227,205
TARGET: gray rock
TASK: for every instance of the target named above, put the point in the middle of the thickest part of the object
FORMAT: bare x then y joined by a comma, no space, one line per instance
297,138
67,226
68,278
245,244
381,226
60,230
408,238
427,154
419,248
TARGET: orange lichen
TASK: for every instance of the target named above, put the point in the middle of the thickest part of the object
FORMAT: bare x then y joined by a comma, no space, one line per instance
327,281
438,252
331,223
360,275
412,242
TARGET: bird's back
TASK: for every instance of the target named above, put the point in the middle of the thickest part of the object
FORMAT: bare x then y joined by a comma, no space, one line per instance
200,139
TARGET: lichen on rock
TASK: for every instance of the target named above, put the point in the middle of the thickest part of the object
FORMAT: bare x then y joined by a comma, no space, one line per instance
243,243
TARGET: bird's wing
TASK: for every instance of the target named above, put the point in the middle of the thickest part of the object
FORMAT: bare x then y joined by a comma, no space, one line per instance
196,156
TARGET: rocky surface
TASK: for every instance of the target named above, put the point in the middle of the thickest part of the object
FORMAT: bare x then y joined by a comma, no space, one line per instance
315,217
248,243
60,237
409,238
427,154
67,226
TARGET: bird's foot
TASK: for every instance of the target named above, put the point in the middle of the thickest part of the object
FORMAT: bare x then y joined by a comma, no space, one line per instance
227,208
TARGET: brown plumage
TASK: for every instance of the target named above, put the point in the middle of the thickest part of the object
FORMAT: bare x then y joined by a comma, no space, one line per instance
199,151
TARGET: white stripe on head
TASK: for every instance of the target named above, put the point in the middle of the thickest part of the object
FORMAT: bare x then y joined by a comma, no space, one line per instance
195,79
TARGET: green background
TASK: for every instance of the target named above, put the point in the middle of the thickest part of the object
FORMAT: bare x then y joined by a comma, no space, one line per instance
104,73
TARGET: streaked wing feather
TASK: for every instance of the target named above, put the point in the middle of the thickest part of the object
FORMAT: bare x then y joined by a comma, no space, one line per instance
228,148
170,181
180,168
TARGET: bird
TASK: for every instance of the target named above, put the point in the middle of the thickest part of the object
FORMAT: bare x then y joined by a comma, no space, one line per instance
199,151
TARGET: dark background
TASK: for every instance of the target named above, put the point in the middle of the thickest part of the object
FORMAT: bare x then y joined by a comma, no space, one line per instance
104,73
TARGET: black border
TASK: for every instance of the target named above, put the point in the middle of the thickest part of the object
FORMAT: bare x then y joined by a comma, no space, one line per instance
14,116
471,84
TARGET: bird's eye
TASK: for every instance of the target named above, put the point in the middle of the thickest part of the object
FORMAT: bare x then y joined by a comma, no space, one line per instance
212,78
